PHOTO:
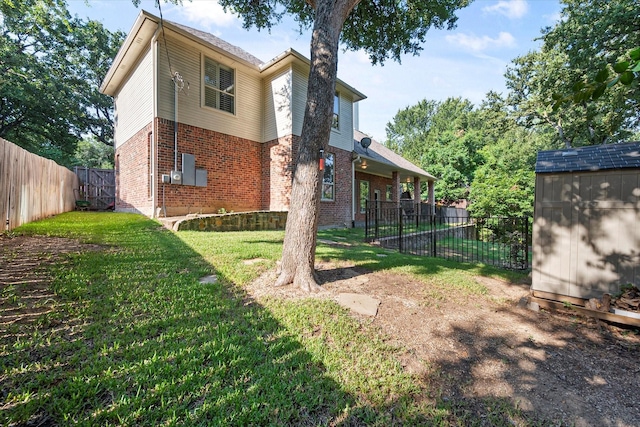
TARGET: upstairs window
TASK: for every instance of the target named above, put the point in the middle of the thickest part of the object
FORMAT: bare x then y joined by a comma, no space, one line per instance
336,112
328,180
219,86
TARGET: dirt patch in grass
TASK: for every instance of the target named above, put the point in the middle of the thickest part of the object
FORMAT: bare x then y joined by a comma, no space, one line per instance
26,295
481,353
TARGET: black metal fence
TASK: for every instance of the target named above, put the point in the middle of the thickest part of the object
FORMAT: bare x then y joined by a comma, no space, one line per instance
422,229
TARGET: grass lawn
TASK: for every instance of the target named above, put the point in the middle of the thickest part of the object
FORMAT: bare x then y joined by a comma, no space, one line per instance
133,338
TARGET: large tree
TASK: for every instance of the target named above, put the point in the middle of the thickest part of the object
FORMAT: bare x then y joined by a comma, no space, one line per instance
384,29
50,72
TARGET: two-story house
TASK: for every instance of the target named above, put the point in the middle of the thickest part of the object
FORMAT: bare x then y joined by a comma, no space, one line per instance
202,125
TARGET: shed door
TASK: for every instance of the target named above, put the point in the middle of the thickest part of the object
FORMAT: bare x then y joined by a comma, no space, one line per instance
587,233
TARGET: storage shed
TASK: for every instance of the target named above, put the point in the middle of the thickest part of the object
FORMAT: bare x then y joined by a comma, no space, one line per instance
586,232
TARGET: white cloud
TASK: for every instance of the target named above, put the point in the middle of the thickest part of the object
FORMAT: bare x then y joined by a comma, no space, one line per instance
478,44
510,8
206,13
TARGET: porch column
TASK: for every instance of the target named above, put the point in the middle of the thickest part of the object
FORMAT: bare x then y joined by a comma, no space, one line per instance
432,197
395,189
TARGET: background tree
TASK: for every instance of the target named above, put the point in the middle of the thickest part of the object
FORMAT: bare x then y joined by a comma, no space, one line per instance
49,78
494,159
443,138
625,72
92,153
503,184
384,29
589,34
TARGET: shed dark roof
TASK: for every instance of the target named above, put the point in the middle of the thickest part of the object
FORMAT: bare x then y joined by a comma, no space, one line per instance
592,158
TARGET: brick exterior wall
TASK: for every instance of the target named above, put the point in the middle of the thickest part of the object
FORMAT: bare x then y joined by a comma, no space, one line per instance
277,172
242,175
233,168
133,174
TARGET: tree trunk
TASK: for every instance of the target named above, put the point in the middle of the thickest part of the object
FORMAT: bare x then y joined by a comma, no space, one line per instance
299,248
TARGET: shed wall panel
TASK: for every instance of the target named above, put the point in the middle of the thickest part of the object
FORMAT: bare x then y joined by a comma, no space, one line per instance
586,232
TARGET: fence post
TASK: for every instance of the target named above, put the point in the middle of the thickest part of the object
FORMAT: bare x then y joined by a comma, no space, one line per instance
433,235
526,240
376,214
400,230
366,221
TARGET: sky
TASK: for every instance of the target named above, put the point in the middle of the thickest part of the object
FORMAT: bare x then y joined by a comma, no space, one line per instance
466,62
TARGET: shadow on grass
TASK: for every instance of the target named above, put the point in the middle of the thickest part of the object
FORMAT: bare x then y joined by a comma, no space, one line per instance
497,375
151,345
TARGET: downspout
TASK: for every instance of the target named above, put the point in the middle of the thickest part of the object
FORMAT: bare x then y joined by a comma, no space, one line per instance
154,130
175,123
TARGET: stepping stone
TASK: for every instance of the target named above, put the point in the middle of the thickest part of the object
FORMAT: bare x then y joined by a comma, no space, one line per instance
209,279
362,304
327,242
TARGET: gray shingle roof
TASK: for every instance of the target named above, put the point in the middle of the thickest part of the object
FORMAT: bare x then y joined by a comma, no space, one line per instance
219,43
379,153
592,158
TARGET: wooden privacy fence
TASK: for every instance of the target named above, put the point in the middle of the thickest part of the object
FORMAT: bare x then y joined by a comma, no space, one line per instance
32,187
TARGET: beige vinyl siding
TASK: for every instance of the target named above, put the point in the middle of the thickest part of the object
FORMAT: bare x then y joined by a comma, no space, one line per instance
278,114
341,138
187,59
134,103
299,86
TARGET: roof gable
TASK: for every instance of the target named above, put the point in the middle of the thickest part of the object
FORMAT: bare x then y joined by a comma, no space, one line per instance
147,25
591,158
219,43
379,153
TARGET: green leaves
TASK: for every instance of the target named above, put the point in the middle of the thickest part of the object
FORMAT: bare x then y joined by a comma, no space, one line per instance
621,67
51,68
626,78
443,138
571,87
584,90
602,75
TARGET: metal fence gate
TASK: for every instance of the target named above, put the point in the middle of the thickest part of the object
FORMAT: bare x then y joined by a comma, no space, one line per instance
420,229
